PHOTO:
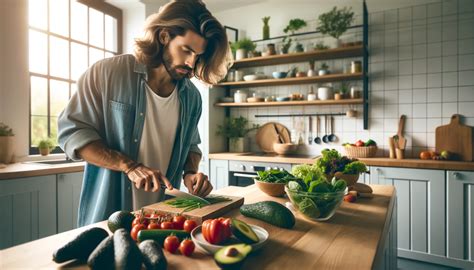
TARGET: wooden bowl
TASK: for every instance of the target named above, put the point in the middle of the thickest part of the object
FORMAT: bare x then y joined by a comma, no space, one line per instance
272,189
350,179
284,148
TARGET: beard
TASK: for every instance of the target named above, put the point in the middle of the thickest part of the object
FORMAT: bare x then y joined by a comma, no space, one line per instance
167,61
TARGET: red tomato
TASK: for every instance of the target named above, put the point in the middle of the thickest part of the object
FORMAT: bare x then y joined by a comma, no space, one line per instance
186,247
216,231
171,243
178,222
153,225
136,221
189,225
359,143
167,225
136,229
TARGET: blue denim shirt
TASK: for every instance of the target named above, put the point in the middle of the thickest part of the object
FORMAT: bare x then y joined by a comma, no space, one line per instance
110,105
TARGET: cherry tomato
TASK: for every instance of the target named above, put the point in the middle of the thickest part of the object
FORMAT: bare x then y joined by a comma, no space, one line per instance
153,225
187,247
136,229
167,225
178,222
189,225
136,221
171,243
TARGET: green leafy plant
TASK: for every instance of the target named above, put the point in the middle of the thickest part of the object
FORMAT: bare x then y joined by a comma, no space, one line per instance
286,44
5,130
46,143
235,128
320,46
355,167
275,176
335,22
294,25
324,66
245,44
331,162
344,88
299,47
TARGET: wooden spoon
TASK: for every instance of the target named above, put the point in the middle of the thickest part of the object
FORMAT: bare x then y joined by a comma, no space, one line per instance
401,127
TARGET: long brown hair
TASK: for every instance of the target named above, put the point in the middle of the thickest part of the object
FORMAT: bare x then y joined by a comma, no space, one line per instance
176,18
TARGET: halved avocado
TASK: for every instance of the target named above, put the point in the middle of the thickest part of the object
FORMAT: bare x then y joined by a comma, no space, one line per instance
243,232
233,256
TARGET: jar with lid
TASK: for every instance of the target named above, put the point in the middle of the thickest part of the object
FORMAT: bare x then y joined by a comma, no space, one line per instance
356,67
355,92
240,96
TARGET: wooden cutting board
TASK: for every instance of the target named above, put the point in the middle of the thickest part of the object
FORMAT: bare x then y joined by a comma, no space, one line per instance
267,135
455,138
200,214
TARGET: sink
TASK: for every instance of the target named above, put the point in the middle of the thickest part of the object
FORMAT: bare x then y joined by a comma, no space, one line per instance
52,162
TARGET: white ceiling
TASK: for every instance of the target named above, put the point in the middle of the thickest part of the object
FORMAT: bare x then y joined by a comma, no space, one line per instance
222,5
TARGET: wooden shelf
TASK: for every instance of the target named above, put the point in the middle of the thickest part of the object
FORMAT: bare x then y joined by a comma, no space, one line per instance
294,81
353,51
291,103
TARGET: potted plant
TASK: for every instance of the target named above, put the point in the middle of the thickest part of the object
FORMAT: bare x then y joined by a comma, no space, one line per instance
323,70
299,47
294,25
235,130
311,71
242,47
285,47
344,90
320,46
332,164
335,22
266,27
45,146
6,143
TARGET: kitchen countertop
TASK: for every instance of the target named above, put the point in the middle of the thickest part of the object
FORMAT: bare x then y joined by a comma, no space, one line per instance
377,161
352,239
29,169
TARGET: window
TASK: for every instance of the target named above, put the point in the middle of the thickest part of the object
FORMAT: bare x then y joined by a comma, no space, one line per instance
65,38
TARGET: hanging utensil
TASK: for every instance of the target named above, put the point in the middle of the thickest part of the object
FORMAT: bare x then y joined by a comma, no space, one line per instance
332,137
325,137
310,130
317,139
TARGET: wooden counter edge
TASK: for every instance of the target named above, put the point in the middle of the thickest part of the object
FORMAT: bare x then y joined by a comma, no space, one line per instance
377,161
39,170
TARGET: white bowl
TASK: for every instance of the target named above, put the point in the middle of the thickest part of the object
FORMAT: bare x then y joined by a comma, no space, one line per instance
198,239
253,77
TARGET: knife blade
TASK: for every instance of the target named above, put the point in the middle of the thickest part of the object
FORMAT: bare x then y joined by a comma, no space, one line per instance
181,194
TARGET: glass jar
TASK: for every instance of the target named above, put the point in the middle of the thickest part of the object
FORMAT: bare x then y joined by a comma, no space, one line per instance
356,67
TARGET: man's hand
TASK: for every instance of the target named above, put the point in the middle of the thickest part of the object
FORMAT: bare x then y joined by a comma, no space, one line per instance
198,184
149,179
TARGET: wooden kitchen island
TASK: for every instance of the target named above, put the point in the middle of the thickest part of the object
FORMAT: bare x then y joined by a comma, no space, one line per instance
360,235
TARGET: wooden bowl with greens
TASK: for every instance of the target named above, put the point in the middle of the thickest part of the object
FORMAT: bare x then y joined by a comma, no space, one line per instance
272,182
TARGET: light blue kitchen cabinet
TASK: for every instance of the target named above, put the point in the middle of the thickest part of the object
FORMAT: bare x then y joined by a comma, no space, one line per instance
421,215
219,173
27,209
69,191
460,221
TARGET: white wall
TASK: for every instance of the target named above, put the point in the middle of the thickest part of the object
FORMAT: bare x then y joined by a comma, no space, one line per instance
15,78
133,19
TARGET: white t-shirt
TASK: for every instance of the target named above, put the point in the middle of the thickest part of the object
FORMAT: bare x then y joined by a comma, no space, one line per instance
156,146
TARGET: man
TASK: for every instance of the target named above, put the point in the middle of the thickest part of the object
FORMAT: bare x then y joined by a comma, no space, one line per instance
134,117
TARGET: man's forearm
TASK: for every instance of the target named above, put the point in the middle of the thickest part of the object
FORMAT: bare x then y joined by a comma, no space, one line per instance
99,154
192,162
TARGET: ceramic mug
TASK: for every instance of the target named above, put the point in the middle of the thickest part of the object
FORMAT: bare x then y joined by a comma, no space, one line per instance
325,93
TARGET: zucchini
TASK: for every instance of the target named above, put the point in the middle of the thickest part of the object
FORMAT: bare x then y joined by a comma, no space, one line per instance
160,235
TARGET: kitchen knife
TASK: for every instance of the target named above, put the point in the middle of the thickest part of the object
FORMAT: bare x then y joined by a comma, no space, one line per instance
181,194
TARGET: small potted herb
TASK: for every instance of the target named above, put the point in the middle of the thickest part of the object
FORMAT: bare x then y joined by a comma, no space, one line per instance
6,143
285,47
45,146
242,48
299,47
235,130
323,70
335,22
320,46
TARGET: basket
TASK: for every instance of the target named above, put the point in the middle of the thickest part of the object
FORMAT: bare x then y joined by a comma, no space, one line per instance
361,151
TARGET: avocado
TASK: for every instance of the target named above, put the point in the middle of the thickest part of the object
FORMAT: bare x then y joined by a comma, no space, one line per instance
126,253
103,255
153,256
270,212
80,247
232,257
120,219
243,232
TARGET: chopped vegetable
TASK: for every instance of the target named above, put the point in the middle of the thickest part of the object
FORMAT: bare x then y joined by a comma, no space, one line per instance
190,204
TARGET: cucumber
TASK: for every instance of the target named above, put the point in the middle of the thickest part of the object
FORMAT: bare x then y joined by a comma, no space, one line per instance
160,235
80,247
153,256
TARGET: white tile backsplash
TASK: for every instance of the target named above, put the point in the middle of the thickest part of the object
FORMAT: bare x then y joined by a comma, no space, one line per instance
421,64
